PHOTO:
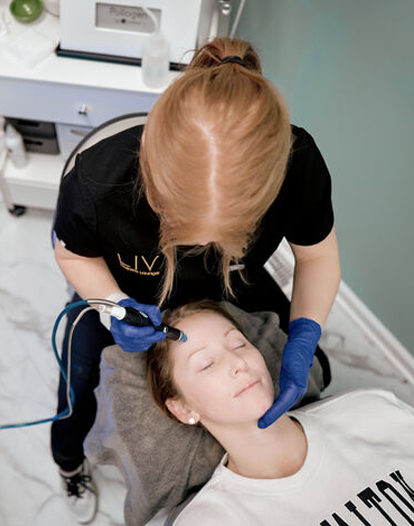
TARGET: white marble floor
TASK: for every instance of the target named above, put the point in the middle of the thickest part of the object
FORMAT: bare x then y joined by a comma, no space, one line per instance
32,293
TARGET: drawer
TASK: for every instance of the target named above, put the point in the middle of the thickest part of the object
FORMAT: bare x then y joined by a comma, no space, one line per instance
54,102
33,128
41,144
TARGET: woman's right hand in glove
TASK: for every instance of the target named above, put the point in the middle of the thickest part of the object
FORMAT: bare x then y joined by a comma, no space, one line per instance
136,339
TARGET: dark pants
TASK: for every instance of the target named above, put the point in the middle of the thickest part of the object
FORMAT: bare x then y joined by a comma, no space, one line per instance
91,337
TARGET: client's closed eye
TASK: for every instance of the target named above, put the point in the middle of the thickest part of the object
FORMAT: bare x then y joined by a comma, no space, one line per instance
206,366
238,344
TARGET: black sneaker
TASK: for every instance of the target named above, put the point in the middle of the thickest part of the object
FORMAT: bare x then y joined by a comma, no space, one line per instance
81,493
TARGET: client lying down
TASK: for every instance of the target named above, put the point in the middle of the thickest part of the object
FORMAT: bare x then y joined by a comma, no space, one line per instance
348,460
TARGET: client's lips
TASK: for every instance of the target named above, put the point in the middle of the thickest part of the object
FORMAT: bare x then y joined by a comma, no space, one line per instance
247,386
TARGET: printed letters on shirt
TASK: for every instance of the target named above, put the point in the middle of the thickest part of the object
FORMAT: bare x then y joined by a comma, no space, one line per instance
142,265
392,499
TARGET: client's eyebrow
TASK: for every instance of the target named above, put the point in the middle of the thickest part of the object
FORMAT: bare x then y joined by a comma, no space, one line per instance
205,346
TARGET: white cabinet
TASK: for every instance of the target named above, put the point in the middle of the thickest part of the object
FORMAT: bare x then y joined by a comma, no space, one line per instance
65,91
71,104
34,185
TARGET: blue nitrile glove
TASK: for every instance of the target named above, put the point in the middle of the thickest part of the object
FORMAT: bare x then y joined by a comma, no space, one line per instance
137,339
297,359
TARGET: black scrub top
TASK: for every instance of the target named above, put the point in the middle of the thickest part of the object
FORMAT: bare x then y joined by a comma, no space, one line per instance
98,216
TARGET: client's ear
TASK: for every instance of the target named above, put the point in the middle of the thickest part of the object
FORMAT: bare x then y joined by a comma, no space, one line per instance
181,411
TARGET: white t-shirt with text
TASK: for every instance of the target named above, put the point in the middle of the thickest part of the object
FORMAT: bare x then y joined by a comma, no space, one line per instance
359,470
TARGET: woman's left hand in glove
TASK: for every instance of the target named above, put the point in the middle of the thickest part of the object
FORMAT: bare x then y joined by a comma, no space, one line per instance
297,359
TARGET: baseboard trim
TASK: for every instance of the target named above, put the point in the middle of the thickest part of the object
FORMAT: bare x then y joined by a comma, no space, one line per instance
393,350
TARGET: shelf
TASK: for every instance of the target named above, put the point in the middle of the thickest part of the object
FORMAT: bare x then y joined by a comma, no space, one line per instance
37,184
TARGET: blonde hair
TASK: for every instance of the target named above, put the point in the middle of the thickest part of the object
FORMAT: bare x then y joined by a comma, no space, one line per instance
159,365
216,148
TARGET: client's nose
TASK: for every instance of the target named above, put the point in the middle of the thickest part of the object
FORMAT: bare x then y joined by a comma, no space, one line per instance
237,364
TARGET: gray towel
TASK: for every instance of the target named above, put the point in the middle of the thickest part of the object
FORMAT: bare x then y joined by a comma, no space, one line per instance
162,460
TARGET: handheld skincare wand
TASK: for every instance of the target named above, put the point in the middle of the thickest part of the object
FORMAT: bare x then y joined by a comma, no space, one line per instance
140,319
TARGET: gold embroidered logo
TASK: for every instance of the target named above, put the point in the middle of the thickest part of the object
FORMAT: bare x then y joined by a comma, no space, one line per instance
141,266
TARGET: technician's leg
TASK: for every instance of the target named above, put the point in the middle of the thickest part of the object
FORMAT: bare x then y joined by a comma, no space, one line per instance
264,294
89,339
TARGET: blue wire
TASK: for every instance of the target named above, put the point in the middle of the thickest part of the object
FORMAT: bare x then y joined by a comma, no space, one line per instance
62,371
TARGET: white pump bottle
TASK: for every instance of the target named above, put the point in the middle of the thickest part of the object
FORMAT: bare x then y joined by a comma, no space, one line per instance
155,61
15,146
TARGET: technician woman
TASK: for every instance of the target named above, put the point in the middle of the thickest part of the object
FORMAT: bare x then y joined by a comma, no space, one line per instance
190,206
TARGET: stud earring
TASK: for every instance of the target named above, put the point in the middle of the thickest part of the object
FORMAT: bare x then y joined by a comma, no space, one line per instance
191,420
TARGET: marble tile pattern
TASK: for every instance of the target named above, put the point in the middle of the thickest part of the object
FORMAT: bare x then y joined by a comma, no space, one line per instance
32,293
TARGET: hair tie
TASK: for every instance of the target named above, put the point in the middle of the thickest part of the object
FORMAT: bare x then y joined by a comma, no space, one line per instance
235,59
